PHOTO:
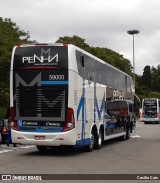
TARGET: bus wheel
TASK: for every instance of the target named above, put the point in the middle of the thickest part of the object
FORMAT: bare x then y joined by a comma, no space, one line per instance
99,139
128,135
89,148
42,148
131,127
123,138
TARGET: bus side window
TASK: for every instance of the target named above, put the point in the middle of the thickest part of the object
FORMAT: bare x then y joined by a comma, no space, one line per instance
82,61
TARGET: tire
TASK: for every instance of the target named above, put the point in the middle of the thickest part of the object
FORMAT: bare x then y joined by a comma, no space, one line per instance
99,140
42,148
128,135
131,127
123,138
90,147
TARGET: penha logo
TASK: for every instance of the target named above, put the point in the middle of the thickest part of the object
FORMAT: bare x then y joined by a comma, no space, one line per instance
44,59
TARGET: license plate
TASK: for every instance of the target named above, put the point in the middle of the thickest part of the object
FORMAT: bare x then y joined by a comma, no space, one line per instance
39,137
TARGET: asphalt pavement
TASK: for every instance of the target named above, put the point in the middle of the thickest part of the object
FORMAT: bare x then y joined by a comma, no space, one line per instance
138,155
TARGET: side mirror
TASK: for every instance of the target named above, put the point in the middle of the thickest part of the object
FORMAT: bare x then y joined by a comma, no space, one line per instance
106,116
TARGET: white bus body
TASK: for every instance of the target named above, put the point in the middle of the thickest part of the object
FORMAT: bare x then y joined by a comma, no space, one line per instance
58,96
150,110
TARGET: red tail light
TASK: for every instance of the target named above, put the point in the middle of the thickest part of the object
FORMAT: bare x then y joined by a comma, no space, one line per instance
157,114
70,123
142,114
12,119
123,112
4,130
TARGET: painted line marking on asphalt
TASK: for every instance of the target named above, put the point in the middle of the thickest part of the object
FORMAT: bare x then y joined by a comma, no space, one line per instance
135,136
4,151
3,145
10,149
15,148
26,147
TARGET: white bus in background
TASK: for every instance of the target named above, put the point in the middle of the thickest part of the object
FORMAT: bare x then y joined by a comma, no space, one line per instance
150,110
59,94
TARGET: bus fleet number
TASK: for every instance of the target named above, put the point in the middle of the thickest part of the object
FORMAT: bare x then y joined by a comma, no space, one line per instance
56,77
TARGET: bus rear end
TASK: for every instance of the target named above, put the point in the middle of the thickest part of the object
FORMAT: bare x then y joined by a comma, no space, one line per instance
150,111
39,111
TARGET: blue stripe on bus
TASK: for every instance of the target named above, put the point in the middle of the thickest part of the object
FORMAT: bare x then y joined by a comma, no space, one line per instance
82,143
81,107
101,109
97,110
54,82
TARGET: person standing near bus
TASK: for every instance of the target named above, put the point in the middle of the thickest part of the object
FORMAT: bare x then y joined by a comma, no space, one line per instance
9,138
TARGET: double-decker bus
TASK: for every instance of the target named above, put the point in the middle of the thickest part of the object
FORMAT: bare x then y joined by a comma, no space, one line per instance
150,110
59,94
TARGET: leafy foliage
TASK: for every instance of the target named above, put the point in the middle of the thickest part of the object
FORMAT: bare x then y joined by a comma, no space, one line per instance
75,40
10,35
146,77
148,85
155,79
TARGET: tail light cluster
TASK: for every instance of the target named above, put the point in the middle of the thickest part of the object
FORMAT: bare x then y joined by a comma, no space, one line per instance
12,119
142,114
4,130
70,122
123,112
157,114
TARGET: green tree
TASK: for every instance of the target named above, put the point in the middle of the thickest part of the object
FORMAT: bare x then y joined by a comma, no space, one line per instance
155,75
75,40
149,86
154,94
10,35
146,77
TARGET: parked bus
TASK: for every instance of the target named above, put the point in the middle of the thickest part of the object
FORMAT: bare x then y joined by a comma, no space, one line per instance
59,95
150,110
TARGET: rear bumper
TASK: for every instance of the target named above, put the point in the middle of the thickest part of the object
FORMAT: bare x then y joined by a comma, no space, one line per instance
149,119
51,139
